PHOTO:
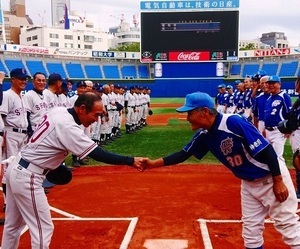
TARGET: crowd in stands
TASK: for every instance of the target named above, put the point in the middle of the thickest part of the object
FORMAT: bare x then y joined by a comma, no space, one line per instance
259,99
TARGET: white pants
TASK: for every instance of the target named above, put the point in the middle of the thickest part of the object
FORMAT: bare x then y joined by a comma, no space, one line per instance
277,139
26,204
258,201
295,140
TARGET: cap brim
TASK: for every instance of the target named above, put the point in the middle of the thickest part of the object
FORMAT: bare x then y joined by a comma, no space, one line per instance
185,109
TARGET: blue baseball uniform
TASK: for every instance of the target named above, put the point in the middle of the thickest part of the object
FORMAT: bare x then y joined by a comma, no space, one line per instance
277,108
242,149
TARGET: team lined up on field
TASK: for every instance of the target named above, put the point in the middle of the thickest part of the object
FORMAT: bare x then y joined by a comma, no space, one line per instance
260,99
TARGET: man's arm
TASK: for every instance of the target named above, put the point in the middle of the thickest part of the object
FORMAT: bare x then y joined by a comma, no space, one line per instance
175,158
268,155
101,155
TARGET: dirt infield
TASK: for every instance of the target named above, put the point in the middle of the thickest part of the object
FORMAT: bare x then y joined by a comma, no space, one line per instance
184,206
165,203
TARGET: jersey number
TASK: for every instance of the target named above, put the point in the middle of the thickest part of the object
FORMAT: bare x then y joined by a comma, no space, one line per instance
235,160
40,129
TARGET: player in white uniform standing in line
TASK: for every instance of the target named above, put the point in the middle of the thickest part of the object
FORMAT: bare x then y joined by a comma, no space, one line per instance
112,112
58,133
14,116
105,128
129,104
34,101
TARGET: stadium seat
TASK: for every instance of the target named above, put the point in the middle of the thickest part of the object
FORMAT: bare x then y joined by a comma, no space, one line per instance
74,70
235,69
129,72
270,68
93,71
250,69
56,67
11,64
35,66
2,67
111,71
143,71
288,68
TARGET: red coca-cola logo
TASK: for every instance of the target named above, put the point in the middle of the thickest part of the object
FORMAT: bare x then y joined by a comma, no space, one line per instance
189,56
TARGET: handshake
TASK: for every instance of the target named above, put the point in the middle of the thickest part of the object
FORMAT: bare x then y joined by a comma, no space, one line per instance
142,163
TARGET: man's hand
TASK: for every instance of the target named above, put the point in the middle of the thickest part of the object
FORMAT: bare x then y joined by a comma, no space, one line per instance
280,190
140,163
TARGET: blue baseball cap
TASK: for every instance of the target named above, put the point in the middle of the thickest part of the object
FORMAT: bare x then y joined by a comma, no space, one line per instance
229,87
273,78
196,100
221,86
19,73
80,84
237,82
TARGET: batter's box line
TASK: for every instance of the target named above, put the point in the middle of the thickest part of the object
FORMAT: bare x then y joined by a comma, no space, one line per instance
128,234
204,230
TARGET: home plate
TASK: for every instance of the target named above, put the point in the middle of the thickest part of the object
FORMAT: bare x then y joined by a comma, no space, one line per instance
166,244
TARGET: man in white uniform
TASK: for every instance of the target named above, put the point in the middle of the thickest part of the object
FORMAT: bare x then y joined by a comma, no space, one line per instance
58,133
14,116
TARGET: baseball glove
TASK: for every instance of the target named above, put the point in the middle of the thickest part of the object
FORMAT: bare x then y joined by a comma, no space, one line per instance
59,176
150,112
119,106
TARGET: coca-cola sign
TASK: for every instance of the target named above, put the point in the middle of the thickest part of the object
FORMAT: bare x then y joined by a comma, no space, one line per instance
189,56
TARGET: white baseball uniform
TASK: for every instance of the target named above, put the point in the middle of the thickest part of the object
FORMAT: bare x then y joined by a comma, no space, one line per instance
15,122
54,137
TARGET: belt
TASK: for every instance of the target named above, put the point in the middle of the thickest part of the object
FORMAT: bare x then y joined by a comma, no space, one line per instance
31,167
271,128
19,130
131,106
1,133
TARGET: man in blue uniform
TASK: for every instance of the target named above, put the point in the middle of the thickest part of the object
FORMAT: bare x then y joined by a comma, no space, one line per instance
277,108
266,189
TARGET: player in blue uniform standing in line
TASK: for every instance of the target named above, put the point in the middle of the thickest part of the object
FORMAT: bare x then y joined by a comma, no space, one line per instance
266,185
277,107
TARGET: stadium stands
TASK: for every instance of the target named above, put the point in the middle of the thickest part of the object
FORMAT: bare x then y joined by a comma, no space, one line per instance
75,70
250,69
270,68
236,69
56,67
11,64
288,68
111,71
129,72
93,71
143,72
35,66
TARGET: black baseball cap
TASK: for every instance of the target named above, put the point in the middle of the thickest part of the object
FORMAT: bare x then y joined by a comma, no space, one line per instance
19,73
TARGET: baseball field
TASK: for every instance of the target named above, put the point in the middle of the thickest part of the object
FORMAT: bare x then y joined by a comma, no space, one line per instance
193,205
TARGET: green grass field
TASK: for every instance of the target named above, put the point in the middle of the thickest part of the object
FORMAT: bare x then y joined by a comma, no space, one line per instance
158,141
